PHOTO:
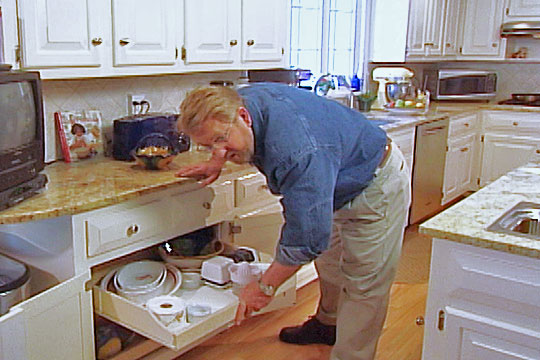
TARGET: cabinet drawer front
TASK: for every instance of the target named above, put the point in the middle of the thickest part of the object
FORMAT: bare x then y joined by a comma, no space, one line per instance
518,123
463,125
252,189
123,225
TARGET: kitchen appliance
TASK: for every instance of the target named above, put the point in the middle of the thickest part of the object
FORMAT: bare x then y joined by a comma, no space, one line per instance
21,136
399,77
524,99
14,283
428,169
216,270
129,130
461,84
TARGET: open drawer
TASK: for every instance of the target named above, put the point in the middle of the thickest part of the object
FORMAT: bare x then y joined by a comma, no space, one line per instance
182,337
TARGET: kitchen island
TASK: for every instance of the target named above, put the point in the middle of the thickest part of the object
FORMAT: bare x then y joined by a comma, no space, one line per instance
484,285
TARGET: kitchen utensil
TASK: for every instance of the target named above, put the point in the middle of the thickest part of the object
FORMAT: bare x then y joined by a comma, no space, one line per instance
189,262
140,275
167,309
197,311
14,283
191,280
216,270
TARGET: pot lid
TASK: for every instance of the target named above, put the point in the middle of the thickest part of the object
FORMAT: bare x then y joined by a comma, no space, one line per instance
13,274
521,28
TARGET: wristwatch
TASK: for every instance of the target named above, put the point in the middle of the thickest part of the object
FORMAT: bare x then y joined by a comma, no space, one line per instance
267,290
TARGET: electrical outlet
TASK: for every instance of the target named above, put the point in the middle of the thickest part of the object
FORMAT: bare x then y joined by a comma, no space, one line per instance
133,103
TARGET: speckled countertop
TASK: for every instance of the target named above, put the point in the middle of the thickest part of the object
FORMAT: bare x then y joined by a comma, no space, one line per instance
466,221
91,184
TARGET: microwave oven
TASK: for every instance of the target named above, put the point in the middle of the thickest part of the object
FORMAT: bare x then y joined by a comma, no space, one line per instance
461,84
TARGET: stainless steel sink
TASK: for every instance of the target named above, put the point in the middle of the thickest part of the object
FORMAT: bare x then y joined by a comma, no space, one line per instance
521,220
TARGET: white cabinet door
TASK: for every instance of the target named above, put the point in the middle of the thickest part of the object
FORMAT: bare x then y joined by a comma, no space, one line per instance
452,16
144,32
482,21
55,324
477,337
56,33
524,8
212,31
264,30
459,175
502,153
425,28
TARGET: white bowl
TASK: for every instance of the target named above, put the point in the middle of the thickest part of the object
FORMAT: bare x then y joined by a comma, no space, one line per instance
190,262
140,275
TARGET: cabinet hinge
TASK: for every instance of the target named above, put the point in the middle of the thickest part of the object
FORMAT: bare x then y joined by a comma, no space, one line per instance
461,50
282,51
507,11
440,320
18,55
176,53
235,229
478,181
183,53
447,148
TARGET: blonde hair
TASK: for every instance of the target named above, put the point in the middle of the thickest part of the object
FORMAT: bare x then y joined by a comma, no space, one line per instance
217,102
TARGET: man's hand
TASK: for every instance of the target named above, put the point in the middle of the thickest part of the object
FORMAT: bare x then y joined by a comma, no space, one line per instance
207,172
251,299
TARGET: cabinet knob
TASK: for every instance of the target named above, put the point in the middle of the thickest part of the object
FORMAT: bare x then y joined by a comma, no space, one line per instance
464,149
124,42
263,187
538,151
419,320
207,205
233,43
250,42
132,230
448,45
97,41
494,45
515,123
466,124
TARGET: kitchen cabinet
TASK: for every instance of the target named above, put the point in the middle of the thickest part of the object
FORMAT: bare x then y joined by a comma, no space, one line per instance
122,37
482,304
90,244
404,139
509,140
462,151
481,30
455,30
522,10
236,32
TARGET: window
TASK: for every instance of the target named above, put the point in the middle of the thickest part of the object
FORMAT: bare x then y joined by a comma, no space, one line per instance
327,35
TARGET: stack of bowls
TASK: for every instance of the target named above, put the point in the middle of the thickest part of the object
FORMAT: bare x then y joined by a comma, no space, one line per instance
140,281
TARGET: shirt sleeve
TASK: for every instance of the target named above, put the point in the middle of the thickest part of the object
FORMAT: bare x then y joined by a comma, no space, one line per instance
307,186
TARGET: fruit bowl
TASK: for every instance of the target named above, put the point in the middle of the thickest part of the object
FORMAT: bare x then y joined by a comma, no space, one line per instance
419,104
154,152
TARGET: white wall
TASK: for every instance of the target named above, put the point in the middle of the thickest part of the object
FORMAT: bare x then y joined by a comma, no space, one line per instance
165,94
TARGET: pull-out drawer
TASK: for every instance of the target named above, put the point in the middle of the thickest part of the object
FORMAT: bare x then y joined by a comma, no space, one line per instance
462,125
527,124
183,336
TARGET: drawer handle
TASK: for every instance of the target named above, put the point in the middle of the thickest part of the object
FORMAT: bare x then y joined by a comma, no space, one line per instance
466,124
207,205
132,230
420,320
464,149
263,187
538,151
97,41
515,123
233,43
250,42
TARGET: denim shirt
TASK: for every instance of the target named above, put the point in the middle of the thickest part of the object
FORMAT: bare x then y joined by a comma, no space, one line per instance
317,154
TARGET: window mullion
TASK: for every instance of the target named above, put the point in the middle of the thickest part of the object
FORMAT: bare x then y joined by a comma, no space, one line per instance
325,38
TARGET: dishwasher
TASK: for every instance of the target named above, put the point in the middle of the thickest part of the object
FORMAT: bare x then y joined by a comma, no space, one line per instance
428,169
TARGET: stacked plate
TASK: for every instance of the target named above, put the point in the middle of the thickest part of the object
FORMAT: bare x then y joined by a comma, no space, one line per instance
139,281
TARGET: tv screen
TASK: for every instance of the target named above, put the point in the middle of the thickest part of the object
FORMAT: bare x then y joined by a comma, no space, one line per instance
18,116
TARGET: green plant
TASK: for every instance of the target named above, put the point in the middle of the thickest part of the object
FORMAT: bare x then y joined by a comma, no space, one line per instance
366,97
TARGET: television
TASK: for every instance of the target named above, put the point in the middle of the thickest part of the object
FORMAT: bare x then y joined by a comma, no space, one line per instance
22,140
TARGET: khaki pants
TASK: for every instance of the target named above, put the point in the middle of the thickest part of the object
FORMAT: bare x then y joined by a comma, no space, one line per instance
357,271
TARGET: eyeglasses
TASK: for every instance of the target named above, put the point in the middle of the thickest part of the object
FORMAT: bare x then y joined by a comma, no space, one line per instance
219,140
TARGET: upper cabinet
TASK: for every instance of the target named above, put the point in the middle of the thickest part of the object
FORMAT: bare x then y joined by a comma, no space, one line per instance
92,38
455,30
522,9
235,32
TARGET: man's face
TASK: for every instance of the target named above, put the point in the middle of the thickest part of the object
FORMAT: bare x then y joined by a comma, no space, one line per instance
233,142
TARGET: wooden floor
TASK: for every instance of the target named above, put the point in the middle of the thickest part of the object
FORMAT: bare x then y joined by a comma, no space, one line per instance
257,337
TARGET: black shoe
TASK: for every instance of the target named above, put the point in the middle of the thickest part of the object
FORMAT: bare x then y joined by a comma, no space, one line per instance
310,332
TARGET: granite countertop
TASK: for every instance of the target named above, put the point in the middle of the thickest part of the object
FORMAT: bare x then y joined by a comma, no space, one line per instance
466,221
77,187
440,110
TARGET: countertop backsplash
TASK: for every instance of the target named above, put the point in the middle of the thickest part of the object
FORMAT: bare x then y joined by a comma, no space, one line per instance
165,93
